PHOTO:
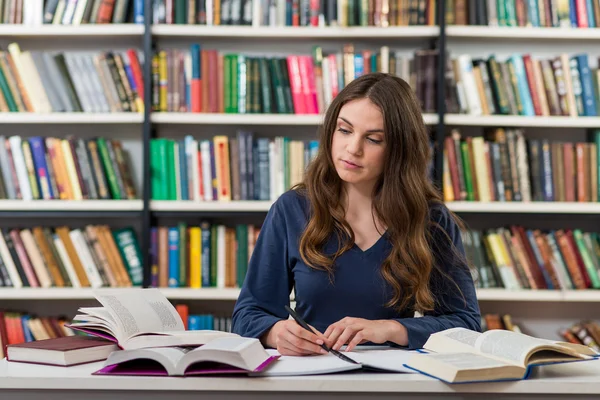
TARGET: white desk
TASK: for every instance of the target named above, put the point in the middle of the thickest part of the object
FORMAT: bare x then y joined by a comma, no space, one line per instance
27,381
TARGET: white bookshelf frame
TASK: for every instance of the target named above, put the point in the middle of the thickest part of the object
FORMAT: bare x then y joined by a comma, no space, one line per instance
518,33
301,33
231,294
209,206
534,207
71,205
73,31
71,118
521,121
250,119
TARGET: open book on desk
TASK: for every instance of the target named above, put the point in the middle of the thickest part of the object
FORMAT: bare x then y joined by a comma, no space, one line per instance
390,360
228,355
139,318
460,355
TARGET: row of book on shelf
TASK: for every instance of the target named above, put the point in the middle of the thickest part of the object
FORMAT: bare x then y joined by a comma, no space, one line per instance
243,167
584,332
72,81
72,12
315,13
49,168
516,257
93,256
208,80
503,166
208,255
536,13
523,85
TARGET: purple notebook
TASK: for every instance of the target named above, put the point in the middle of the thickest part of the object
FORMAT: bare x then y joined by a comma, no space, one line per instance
152,368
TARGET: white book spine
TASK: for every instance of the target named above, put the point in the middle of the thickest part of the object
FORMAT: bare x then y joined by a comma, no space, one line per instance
470,87
19,161
11,268
206,170
90,268
64,256
79,10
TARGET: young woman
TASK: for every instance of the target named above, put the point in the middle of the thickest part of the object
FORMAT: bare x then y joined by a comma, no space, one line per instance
364,241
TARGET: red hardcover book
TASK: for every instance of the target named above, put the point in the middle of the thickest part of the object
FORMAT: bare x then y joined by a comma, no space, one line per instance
63,351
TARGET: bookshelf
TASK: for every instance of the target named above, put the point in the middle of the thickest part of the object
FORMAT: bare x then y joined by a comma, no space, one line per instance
139,128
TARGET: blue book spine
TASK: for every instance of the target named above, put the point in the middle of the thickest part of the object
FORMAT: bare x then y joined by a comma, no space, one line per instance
211,322
587,86
532,10
205,236
213,172
38,151
314,148
138,11
263,167
359,65
546,168
524,93
193,323
590,14
26,331
573,14
183,171
174,257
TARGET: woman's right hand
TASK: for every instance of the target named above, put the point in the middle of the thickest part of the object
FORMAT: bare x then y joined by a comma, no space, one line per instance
290,339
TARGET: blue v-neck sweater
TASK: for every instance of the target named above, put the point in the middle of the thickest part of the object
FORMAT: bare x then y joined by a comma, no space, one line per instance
358,288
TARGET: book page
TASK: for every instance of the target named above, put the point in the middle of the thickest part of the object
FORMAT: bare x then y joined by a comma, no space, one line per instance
510,346
466,361
306,365
138,311
390,360
452,340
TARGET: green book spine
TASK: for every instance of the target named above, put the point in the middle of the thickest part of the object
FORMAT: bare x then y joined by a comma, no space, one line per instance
511,13
499,88
587,260
108,169
156,189
183,255
285,82
242,253
464,149
5,90
234,83
515,86
265,85
278,87
131,254
502,20
227,83
180,12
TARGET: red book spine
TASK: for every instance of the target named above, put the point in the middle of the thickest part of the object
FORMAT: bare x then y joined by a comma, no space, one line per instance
296,84
136,70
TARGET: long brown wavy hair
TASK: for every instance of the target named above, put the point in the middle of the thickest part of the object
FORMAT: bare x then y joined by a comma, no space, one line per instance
402,196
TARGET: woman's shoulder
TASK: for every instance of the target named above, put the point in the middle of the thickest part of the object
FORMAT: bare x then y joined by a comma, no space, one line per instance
293,202
440,217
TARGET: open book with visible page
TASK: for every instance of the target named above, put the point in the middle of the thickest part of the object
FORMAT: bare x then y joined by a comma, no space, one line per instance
139,318
460,355
227,355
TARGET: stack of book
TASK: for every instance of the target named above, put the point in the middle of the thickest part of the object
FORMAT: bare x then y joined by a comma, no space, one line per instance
67,169
523,85
316,13
205,80
520,258
224,169
504,166
44,82
94,256
73,12
208,255
539,13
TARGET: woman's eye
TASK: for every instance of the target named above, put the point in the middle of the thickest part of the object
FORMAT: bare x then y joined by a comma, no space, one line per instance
344,131
375,141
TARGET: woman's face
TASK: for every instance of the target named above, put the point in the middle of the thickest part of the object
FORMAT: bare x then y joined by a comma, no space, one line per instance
358,145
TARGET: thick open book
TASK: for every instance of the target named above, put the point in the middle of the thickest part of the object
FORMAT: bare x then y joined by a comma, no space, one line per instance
460,355
221,356
139,318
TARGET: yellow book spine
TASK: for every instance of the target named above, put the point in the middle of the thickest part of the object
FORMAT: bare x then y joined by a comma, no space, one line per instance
67,193
162,75
72,173
195,257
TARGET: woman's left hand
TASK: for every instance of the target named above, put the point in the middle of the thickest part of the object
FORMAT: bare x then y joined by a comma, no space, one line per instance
354,331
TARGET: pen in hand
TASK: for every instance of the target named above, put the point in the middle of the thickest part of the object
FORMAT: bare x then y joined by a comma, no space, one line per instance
303,324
